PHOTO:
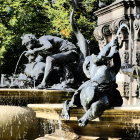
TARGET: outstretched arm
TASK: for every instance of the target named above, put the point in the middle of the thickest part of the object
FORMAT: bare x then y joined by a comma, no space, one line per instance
109,50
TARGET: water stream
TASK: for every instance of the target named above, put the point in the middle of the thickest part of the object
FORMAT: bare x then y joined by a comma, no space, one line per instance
60,128
19,61
112,42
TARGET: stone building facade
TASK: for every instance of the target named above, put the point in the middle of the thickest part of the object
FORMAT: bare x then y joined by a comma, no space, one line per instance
109,20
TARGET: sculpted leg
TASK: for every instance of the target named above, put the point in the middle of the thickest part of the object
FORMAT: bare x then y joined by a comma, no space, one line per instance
95,111
48,68
87,95
60,58
65,114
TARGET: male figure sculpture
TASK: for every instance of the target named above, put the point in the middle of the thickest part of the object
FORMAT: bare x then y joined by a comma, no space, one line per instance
55,49
98,93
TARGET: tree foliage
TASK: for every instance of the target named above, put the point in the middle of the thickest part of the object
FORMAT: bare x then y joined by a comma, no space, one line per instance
39,17
16,18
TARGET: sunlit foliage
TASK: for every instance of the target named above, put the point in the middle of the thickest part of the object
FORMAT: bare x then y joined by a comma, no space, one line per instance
40,17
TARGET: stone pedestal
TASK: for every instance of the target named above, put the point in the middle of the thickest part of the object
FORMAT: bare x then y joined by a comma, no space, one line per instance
119,122
109,20
22,97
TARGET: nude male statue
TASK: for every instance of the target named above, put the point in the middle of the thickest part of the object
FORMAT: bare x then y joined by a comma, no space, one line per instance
99,93
54,49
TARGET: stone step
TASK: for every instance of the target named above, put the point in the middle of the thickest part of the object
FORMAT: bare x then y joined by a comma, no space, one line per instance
52,111
120,121
51,137
85,138
65,135
117,114
27,96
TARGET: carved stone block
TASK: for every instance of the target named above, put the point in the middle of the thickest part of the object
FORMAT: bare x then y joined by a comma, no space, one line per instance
114,15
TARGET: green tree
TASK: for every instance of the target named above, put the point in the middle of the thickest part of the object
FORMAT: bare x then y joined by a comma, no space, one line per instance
39,17
16,18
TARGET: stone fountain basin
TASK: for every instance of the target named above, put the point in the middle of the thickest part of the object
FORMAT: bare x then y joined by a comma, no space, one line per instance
121,122
26,96
17,123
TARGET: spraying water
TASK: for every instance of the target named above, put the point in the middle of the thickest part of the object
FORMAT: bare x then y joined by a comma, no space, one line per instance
60,128
19,61
120,28
111,43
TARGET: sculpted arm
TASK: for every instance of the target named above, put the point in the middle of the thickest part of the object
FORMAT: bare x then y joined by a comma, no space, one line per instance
109,50
44,46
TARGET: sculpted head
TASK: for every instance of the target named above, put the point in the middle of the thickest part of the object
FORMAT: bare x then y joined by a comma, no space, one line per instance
29,40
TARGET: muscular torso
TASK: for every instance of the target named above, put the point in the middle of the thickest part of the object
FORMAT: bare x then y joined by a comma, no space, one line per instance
58,44
100,74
